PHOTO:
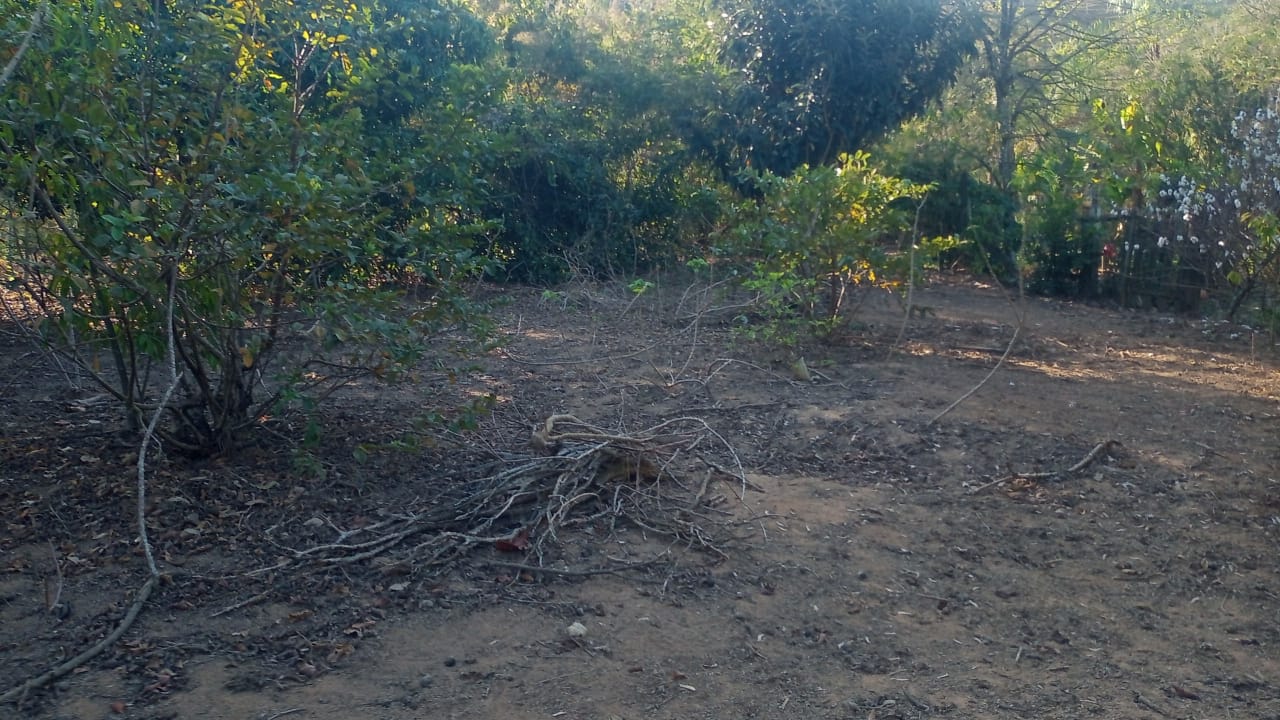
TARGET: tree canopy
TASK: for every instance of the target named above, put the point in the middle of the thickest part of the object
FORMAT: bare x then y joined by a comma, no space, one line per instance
822,78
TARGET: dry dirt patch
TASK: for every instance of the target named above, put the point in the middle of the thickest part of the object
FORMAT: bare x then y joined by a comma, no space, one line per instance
888,567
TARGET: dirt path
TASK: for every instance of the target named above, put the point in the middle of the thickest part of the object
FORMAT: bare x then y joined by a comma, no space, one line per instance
889,569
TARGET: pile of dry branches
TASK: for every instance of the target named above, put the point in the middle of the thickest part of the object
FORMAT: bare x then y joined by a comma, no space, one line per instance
659,480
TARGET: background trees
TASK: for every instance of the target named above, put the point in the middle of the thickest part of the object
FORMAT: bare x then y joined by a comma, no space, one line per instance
586,162
260,180
1172,129
1028,56
819,79
1086,116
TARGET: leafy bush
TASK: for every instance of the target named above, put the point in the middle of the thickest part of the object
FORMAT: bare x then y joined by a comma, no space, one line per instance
1195,213
1061,251
810,242
198,178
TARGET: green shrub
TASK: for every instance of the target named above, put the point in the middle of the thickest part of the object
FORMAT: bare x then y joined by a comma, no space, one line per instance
204,176
810,242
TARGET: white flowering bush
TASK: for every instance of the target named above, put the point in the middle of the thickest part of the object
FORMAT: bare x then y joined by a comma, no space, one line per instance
1228,228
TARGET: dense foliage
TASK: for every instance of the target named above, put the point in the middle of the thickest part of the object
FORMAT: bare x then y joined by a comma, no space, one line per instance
585,164
251,188
1096,121
815,243
821,79
200,187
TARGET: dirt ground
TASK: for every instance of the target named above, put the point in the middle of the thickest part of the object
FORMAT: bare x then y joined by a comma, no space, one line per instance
874,565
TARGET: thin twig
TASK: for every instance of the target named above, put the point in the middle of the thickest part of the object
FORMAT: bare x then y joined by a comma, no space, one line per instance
911,277
171,363
607,358
1020,311
1098,450
976,388
51,604
568,572
993,483
243,603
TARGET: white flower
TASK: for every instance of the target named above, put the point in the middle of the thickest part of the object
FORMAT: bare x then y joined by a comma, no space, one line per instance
1162,242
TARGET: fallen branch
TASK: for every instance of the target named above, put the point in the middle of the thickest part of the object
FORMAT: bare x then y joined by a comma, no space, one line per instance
1102,448
999,363
153,579
84,657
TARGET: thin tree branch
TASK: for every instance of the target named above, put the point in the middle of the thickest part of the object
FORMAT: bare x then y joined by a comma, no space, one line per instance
12,65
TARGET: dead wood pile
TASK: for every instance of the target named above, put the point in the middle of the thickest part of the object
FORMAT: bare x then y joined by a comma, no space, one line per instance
660,480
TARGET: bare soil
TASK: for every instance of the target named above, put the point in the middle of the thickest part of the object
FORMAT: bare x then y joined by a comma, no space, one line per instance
874,564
